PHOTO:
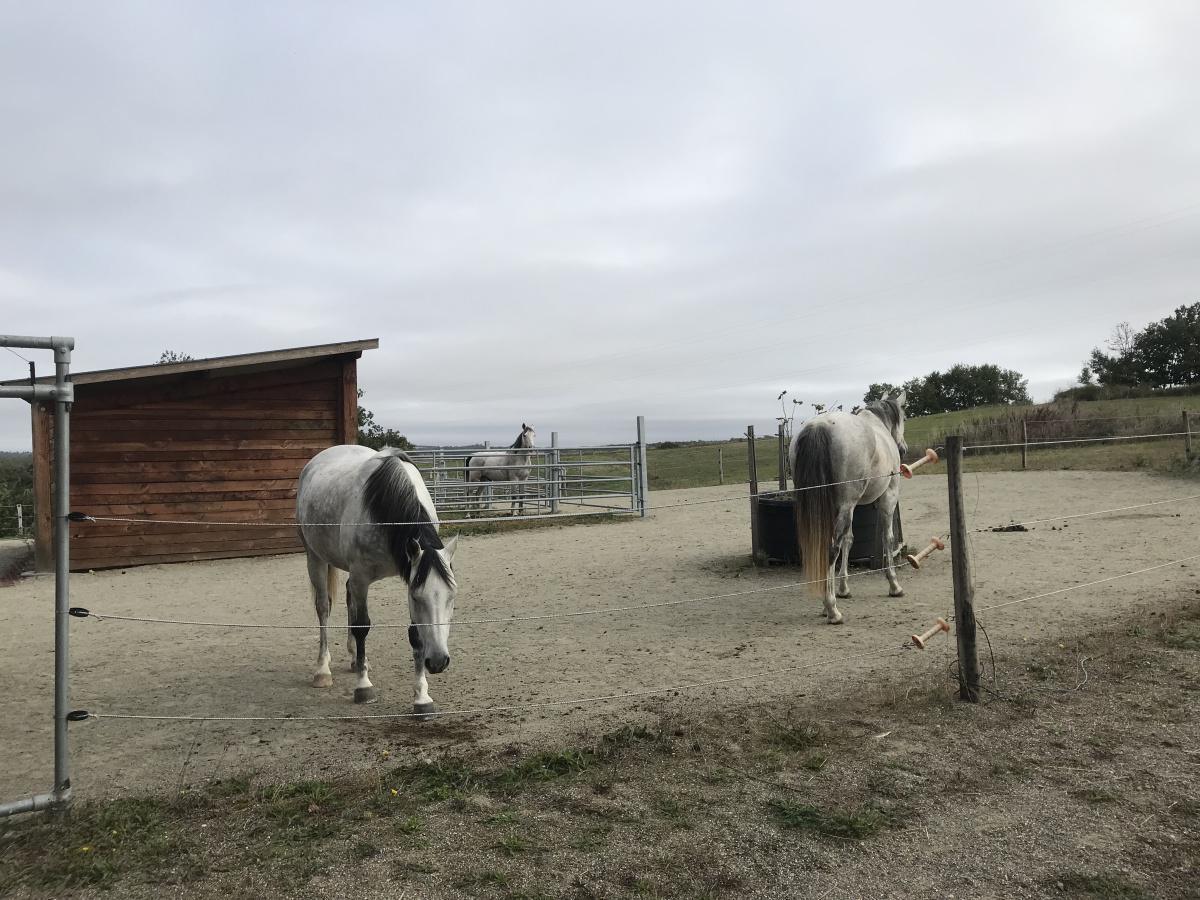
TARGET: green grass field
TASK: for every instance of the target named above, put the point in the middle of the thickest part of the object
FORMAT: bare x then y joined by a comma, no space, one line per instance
699,465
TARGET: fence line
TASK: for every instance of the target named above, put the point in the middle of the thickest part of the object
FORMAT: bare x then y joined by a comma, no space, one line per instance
518,707
1113,437
82,613
1098,512
1076,587
627,695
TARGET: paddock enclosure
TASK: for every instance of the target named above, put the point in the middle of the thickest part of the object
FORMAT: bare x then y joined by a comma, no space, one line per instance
697,550
220,439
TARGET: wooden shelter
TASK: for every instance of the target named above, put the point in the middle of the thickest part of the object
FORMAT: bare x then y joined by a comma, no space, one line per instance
206,440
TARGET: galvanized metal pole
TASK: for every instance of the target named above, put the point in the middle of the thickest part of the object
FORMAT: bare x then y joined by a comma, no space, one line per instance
721,464
59,798
62,574
1024,445
20,519
1187,436
964,587
643,473
555,473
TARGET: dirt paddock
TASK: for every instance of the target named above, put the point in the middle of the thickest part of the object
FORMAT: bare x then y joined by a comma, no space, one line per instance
138,668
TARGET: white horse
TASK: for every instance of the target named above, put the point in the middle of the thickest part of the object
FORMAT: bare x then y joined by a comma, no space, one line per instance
357,487
510,465
856,460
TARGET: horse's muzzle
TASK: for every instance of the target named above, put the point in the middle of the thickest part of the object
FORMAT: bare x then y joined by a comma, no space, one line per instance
436,664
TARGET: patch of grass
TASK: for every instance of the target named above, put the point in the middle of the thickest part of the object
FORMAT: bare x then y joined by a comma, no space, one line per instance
488,878
97,845
793,737
1095,795
503,818
814,762
1104,887
361,850
545,766
853,825
1182,635
671,810
513,845
591,839
438,779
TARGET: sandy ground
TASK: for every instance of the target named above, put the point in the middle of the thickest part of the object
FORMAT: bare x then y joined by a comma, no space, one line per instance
677,553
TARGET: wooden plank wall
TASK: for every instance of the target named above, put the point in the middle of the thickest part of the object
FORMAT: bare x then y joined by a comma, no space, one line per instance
202,449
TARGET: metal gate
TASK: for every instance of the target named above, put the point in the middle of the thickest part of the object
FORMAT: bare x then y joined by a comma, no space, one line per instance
539,482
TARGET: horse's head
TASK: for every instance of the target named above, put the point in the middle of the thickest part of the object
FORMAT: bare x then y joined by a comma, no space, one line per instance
526,437
431,593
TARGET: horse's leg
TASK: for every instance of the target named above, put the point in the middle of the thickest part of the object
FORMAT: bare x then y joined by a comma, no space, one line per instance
887,509
360,625
423,705
351,644
321,575
841,527
843,583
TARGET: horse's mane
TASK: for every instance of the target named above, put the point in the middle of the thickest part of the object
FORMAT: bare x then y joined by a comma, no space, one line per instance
887,410
516,445
390,497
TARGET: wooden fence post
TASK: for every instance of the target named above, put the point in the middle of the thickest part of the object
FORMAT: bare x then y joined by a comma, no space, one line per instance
721,464
752,462
964,588
1187,436
1024,445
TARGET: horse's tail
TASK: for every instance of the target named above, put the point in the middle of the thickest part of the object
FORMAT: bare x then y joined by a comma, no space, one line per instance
331,583
812,471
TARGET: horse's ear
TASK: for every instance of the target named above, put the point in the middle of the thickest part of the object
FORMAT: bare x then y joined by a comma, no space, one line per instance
901,397
524,427
450,547
414,550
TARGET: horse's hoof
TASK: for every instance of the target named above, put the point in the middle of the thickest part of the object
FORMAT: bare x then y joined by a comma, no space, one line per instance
836,620
424,711
322,680
845,596
898,592
364,695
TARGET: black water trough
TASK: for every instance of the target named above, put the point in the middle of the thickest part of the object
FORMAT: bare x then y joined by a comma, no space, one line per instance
777,533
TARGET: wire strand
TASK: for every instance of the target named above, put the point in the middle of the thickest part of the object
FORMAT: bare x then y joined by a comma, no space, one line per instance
1098,512
1113,437
488,520
518,707
504,620
1076,587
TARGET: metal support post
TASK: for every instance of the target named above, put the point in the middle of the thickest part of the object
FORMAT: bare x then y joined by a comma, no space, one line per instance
643,474
555,474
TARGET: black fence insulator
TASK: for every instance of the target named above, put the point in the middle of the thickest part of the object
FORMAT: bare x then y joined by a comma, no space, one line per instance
78,715
79,517
79,612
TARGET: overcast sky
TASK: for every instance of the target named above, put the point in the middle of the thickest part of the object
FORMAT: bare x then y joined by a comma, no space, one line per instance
569,214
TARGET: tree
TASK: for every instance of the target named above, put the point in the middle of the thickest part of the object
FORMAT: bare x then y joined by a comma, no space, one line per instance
959,387
878,392
1164,354
372,434
173,356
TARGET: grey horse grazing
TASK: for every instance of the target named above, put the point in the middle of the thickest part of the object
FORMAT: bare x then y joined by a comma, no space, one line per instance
355,487
856,459
510,465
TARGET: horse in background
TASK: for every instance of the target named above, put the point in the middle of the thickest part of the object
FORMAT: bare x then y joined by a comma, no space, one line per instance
839,461
511,465
358,487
